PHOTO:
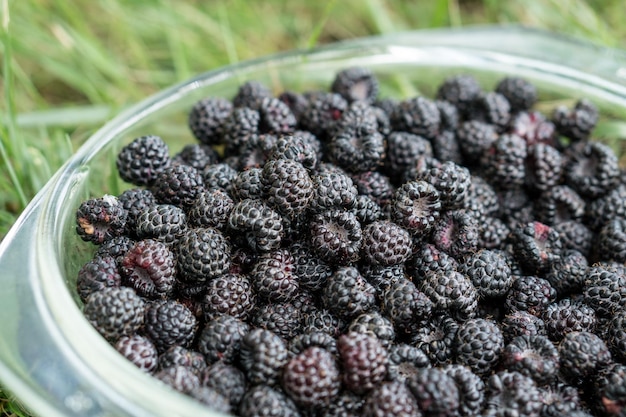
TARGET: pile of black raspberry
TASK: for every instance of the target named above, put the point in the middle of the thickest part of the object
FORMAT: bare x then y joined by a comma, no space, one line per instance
336,253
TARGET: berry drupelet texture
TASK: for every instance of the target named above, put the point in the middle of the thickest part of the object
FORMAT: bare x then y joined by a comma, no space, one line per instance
261,225
323,111
592,169
287,186
312,377
162,222
98,273
604,289
311,271
474,138
451,292
375,324
115,248
512,393
436,338
610,389
178,184
265,401
207,118
489,271
582,355
616,332
196,155
230,294
536,246
211,208
405,305
179,355
612,241
504,161
100,219
478,344
403,151
357,151
390,399
335,236
533,356
374,185
247,185
436,392
241,127
301,146
493,108
404,361
311,337
227,380
263,355
134,201
276,117
568,315
456,233
529,293
220,338
385,243
543,167
141,161
416,207
452,181
364,361
218,176
521,323
273,277
471,389
139,350
179,377
347,294
203,254
332,190
150,268
115,312
168,323
559,204
284,319
418,115
250,94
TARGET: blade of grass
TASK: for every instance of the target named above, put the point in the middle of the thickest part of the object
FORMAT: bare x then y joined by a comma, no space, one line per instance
454,13
97,60
227,35
319,26
74,77
29,91
177,51
380,17
11,129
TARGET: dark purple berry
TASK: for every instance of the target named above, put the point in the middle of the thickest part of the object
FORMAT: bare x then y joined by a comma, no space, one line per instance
100,219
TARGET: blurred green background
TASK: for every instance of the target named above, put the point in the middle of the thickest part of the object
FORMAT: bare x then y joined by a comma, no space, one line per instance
70,65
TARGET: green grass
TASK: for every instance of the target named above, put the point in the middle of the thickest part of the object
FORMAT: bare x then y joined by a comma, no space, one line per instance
70,65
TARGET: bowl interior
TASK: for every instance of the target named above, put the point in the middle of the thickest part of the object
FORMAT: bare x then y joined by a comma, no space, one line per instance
403,68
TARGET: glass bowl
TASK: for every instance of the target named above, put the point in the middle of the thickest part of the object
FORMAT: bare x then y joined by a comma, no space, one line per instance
50,356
